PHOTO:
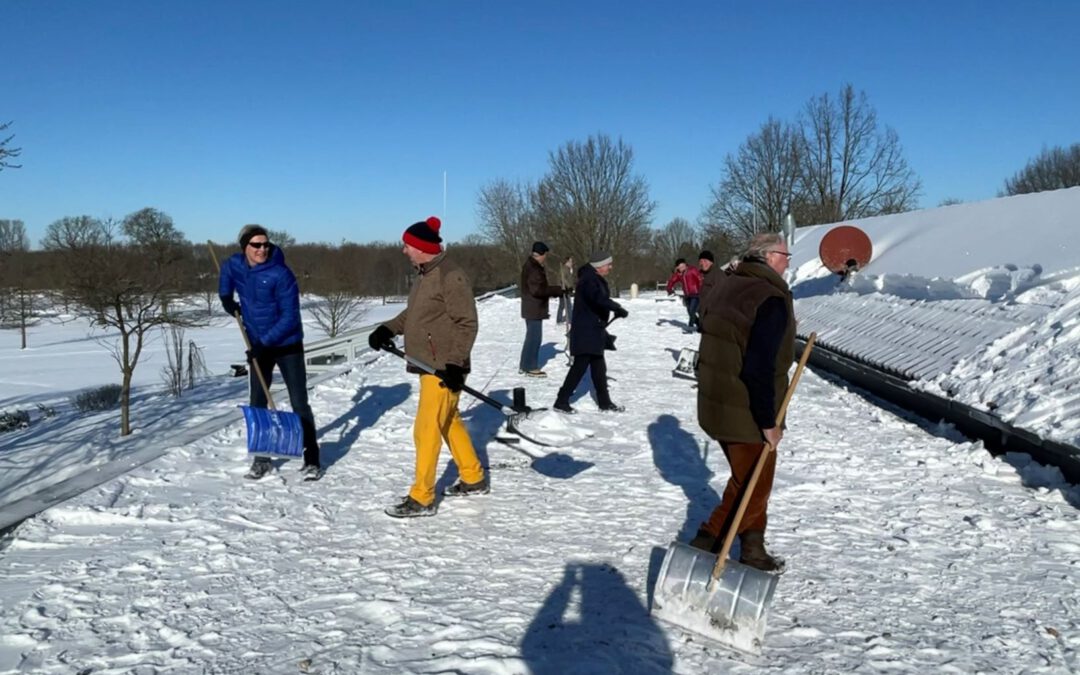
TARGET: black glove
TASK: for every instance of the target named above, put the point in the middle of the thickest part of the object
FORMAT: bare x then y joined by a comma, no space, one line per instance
453,376
256,352
381,338
620,313
232,308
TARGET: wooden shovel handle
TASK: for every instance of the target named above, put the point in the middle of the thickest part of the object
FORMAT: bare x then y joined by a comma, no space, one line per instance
247,343
748,490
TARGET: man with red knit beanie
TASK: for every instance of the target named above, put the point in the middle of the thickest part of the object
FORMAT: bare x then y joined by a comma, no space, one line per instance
439,325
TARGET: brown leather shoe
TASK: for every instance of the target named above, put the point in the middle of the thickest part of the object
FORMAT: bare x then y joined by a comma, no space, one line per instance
704,540
754,553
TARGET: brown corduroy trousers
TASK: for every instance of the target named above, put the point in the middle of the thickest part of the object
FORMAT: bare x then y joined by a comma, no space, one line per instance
742,457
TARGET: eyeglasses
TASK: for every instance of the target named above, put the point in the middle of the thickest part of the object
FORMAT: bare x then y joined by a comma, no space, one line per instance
259,244
783,253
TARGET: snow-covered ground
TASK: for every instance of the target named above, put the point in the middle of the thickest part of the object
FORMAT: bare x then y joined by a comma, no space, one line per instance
908,548
65,356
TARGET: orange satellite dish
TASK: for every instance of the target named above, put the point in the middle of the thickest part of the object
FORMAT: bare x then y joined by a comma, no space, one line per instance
845,248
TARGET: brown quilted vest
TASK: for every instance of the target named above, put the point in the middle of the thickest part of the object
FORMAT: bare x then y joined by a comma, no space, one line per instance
727,314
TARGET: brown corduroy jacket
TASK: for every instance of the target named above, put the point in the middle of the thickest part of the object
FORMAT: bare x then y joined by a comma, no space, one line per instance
439,322
727,314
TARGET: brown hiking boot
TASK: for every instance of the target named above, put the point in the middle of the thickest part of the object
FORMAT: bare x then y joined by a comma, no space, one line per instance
754,553
703,540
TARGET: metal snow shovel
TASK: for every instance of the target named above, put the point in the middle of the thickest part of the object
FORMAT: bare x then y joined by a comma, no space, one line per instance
718,598
270,432
513,414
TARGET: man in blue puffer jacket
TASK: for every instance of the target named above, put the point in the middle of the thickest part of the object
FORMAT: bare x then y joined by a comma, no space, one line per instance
270,308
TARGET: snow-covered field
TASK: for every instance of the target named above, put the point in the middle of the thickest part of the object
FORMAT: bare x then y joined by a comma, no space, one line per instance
908,548
66,356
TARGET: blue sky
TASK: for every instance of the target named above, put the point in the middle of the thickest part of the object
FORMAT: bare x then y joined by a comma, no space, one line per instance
337,120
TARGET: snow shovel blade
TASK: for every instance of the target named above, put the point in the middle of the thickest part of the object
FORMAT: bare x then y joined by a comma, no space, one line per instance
732,614
273,432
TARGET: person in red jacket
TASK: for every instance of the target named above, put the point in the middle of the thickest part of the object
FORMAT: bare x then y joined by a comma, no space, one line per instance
689,277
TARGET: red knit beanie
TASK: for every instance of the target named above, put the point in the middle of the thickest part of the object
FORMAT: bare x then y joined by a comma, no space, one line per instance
424,236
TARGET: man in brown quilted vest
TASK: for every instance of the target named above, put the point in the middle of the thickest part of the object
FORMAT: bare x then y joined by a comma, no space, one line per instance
747,347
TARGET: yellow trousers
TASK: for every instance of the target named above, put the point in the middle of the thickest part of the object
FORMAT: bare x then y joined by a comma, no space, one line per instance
437,419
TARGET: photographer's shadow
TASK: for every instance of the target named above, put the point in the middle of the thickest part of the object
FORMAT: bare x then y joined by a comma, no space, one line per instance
608,631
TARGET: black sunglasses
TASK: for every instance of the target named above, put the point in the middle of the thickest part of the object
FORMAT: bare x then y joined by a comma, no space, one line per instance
259,244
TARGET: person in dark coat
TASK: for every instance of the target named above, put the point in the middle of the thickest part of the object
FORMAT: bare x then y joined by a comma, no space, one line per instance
747,347
535,293
270,308
593,307
708,277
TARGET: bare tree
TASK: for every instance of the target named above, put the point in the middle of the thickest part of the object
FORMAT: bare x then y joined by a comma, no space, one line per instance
724,245
340,311
172,373
8,153
75,232
154,235
849,166
490,266
13,236
19,309
1053,169
677,239
760,184
151,228
117,288
336,278
507,218
16,303
591,200
281,238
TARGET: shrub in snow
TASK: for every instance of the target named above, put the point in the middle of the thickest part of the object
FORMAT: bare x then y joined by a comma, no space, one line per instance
10,421
100,398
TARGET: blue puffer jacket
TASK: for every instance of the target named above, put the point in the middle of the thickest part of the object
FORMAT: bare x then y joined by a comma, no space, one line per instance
269,298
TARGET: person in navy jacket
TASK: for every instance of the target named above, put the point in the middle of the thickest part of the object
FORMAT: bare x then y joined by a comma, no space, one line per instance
588,333
269,304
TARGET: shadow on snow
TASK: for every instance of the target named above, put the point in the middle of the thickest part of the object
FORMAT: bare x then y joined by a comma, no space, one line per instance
592,622
370,404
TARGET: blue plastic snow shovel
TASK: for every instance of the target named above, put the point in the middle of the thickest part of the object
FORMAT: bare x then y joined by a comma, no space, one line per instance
270,432
723,600
273,432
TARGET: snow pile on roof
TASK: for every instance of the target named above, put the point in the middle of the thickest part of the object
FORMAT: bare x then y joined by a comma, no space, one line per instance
973,301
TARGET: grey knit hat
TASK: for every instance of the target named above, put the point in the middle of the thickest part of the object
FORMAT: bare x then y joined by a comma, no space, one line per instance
600,258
